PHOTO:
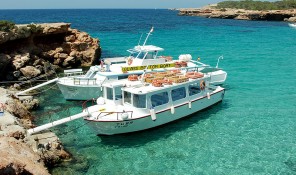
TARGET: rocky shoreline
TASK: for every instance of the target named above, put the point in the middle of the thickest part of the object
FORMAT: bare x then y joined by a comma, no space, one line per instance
28,49
240,14
28,52
21,153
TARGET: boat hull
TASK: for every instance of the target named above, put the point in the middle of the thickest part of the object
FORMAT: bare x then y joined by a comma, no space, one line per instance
80,92
162,116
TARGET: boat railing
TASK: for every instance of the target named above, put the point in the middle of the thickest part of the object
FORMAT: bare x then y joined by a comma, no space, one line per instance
73,72
81,81
84,104
105,113
85,81
115,60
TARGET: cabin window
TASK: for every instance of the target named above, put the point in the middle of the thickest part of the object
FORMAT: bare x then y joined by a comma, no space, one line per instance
109,92
159,99
122,77
127,97
118,94
142,55
139,101
194,89
178,94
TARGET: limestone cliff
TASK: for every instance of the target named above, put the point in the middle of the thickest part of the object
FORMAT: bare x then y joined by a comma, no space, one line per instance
25,50
241,14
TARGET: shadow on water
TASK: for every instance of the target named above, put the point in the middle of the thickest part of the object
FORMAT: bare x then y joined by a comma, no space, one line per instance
140,138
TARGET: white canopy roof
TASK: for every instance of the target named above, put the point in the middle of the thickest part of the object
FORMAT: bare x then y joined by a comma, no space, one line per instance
146,48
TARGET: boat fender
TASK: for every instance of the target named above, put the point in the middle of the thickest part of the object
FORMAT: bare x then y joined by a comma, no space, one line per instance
173,109
209,96
124,116
189,104
100,101
152,113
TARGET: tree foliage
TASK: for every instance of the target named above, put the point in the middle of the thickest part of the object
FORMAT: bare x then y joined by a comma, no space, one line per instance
258,5
6,26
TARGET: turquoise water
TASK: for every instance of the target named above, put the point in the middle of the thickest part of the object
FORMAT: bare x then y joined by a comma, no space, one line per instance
251,132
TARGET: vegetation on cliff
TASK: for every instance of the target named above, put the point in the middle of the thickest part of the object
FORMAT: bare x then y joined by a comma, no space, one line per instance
258,5
6,26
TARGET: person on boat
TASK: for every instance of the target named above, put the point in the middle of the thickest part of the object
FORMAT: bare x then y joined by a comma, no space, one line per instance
102,63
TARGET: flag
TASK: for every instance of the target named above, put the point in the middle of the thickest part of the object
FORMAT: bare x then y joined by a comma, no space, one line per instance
151,30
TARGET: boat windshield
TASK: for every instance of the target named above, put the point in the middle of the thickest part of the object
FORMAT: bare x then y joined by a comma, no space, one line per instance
144,55
88,74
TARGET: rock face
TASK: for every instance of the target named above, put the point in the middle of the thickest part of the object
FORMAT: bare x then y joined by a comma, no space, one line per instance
25,161
241,14
21,153
26,49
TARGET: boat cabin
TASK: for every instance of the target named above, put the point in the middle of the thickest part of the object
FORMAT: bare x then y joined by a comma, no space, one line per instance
136,94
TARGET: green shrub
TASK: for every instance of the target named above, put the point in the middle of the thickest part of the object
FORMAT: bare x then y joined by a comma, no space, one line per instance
6,26
34,28
258,5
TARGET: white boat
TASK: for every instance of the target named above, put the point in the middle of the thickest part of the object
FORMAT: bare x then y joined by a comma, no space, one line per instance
136,104
292,25
88,86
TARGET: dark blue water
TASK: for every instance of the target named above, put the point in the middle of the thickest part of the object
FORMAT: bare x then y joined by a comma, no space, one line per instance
251,132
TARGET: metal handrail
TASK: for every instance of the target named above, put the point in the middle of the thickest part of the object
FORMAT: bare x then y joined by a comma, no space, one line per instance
117,113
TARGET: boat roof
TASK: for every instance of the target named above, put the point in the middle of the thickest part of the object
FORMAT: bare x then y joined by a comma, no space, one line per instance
140,87
146,48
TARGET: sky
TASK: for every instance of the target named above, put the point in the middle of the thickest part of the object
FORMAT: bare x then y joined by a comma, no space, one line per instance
78,4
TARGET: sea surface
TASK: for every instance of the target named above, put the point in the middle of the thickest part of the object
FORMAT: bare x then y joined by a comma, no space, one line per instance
253,131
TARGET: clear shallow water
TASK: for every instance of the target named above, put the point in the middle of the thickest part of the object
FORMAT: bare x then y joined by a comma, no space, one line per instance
251,132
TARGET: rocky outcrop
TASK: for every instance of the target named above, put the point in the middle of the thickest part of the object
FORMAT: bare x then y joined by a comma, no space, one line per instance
21,153
25,50
241,14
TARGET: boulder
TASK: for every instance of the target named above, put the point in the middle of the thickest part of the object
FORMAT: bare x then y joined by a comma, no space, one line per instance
63,56
68,61
20,61
16,108
4,61
30,71
56,43
70,38
291,19
4,36
55,28
19,158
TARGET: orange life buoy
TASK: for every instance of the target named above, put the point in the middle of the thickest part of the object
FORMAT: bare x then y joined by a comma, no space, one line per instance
129,60
199,75
157,83
133,77
189,74
176,71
